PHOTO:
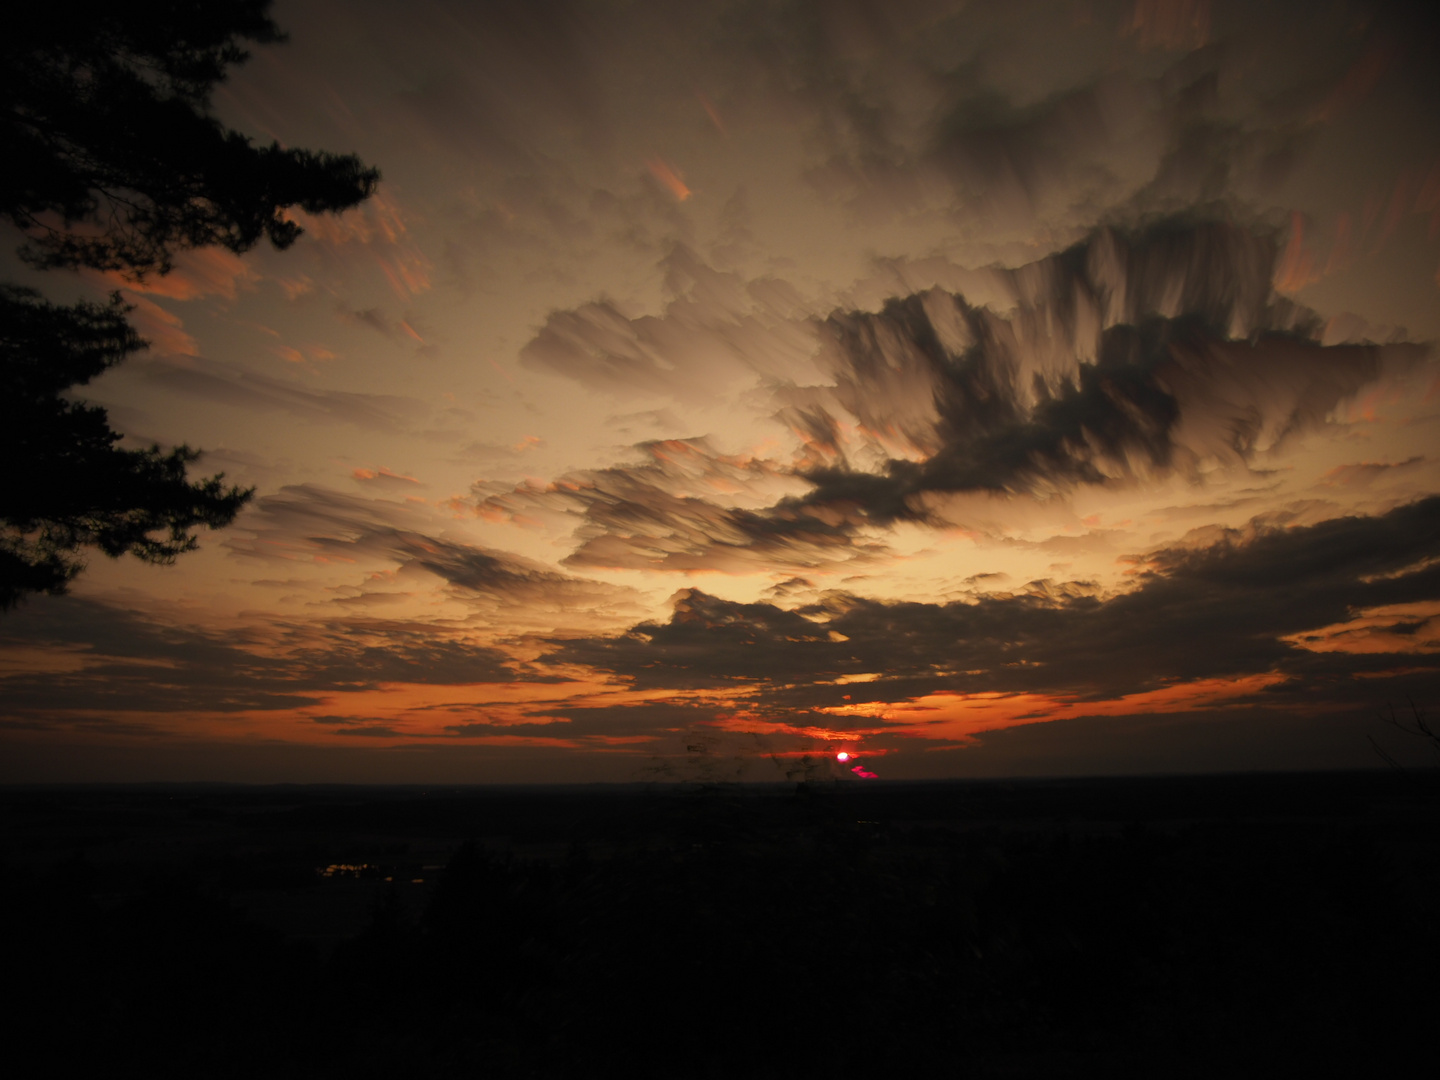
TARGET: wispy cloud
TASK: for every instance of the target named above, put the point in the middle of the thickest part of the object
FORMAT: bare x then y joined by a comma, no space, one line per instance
309,523
379,228
228,384
665,513
126,661
717,330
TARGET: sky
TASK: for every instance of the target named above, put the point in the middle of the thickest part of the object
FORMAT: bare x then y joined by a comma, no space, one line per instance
711,389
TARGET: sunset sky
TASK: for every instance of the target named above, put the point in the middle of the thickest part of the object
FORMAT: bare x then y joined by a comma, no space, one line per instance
978,389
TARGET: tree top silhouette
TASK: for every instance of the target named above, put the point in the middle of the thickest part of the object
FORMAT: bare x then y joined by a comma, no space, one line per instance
113,161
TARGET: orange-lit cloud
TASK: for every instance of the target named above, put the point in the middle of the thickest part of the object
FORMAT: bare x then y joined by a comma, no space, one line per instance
1394,628
198,272
1298,265
293,355
947,716
379,226
1170,24
1359,79
162,329
670,177
1309,256
383,475
712,112
296,287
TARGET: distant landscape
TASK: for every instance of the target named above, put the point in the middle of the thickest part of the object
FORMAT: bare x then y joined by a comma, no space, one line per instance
1178,926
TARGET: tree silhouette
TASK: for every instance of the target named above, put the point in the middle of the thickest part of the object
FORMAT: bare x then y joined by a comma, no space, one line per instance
113,161
75,486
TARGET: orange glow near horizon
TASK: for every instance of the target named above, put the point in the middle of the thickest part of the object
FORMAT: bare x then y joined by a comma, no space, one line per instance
952,716
407,712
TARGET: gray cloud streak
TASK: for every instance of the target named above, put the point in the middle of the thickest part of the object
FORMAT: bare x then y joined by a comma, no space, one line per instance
333,522
229,385
135,662
655,515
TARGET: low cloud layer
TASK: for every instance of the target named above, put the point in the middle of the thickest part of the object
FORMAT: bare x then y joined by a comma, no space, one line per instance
112,661
1259,602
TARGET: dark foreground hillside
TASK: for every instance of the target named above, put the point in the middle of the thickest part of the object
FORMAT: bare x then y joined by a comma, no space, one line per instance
1275,925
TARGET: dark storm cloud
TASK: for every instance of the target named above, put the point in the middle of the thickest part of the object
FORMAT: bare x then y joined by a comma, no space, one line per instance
315,520
1051,116
1130,354
229,385
1196,132
1133,354
1039,118
126,660
655,515
996,153
1220,608
877,88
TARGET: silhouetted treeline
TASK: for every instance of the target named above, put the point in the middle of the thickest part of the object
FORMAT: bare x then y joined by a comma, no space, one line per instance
714,934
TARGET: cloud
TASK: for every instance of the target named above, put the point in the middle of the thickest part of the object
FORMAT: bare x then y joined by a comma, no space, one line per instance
1133,355
307,522
379,228
384,479
601,723
716,331
1039,120
198,272
380,731
372,318
362,652
230,385
662,513
1367,474
1230,605
162,330
121,660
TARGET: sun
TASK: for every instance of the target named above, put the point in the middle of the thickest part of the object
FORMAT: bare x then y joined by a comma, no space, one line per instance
842,756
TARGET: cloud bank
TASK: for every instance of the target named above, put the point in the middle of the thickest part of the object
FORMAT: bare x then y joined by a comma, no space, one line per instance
1138,353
